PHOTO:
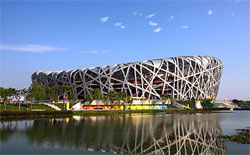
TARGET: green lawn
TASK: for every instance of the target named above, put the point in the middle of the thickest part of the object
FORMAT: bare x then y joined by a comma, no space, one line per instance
23,107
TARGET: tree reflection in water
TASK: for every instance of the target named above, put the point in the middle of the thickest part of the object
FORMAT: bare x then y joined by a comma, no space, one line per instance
131,134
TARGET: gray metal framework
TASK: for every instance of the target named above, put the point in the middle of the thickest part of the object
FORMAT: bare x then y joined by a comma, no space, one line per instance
178,77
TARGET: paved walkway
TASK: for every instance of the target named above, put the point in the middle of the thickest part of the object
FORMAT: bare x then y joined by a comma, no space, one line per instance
52,106
180,106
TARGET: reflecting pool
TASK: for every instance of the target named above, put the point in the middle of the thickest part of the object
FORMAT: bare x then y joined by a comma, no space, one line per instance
126,134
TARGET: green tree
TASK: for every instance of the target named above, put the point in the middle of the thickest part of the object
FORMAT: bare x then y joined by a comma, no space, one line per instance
5,93
70,92
112,96
37,92
51,93
98,94
94,94
164,98
41,92
119,97
172,100
105,99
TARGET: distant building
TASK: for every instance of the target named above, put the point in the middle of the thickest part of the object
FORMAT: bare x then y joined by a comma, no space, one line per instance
179,77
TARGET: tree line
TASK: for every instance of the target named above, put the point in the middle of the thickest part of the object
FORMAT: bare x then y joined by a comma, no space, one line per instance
38,92
241,102
50,93
112,97
4,93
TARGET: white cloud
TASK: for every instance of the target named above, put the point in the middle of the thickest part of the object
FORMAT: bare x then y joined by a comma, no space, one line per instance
185,27
94,52
157,30
118,24
171,17
137,14
31,48
210,12
104,19
44,49
122,26
151,15
152,23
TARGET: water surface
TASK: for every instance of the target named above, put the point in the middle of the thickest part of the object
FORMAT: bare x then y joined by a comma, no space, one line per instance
126,134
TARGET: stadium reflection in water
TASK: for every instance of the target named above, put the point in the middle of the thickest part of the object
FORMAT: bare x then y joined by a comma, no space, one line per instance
128,134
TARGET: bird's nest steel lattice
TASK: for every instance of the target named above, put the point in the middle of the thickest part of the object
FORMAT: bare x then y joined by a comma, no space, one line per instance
178,77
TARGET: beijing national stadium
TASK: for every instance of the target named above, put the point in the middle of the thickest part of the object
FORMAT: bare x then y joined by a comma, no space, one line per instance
182,77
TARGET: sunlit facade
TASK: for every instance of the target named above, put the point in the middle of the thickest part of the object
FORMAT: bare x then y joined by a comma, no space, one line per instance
178,77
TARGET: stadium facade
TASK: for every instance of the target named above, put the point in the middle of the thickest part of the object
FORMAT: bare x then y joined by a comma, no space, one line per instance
179,77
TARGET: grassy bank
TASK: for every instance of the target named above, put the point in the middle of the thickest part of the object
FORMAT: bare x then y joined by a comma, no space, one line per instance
34,114
24,107
40,114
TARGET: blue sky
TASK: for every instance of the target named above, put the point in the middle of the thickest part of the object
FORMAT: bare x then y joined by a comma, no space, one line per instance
63,35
